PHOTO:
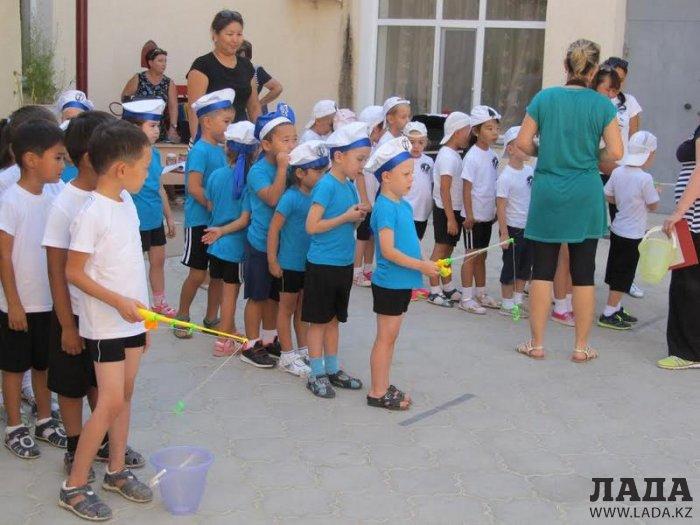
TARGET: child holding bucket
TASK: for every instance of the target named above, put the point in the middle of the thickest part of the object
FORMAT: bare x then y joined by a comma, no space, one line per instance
632,190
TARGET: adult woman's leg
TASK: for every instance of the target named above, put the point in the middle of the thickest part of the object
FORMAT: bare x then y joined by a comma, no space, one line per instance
545,256
582,266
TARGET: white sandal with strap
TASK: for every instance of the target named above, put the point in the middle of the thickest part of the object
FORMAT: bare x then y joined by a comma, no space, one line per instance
589,352
527,349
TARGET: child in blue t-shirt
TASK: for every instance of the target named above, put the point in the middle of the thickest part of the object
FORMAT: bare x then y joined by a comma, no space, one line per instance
230,216
266,183
151,202
399,265
215,112
288,245
335,211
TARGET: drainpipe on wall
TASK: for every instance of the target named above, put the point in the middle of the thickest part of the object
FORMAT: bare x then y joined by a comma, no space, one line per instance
81,45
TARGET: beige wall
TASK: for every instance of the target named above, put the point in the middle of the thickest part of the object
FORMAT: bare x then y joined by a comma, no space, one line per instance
10,55
602,21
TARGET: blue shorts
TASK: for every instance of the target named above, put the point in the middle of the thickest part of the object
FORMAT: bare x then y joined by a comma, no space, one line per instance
259,284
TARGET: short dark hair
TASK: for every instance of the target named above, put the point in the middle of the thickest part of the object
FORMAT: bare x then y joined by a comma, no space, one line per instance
80,130
224,18
616,62
17,118
35,136
115,141
246,50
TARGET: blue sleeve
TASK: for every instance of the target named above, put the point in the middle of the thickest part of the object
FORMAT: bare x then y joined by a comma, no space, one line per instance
322,194
245,201
257,180
386,217
210,187
196,160
286,204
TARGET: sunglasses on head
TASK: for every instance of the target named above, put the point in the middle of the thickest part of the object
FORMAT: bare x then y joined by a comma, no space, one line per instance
154,53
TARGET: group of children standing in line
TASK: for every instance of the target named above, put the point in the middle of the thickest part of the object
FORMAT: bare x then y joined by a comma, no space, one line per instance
301,222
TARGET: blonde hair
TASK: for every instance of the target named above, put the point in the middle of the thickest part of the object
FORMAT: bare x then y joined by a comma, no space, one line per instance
581,57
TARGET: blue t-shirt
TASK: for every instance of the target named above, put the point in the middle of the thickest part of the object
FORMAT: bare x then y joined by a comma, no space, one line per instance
203,158
397,216
226,209
294,241
148,202
69,173
261,175
335,247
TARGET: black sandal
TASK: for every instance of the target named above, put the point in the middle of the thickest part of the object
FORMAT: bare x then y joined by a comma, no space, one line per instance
341,380
90,508
391,400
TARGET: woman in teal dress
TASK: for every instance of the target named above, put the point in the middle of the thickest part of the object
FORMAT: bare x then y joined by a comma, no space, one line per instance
567,204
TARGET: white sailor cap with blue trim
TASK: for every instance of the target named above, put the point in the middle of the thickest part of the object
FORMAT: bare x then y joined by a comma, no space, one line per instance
392,102
310,154
388,156
146,109
214,101
242,132
351,136
283,114
73,98
372,116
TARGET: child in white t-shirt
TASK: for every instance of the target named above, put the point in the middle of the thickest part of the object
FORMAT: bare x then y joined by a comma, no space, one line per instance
25,295
321,124
479,174
106,264
633,192
420,196
397,113
512,204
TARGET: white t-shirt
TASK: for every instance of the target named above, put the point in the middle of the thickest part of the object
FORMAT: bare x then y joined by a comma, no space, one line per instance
10,175
23,215
448,162
109,231
64,209
480,167
625,113
310,134
515,186
633,189
420,196
386,137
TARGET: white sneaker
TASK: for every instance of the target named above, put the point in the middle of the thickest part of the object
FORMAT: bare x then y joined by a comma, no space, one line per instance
303,352
28,394
636,291
453,295
293,363
471,306
361,280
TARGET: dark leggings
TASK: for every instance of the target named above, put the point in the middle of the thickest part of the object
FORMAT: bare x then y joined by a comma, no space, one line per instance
581,261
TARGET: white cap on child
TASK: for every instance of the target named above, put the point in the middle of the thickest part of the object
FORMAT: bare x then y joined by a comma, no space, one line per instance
372,116
241,132
454,122
73,98
147,109
392,102
310,154
388,156
508,137
481,114
352,136
322,108
415,127
640,146
343,117
213,101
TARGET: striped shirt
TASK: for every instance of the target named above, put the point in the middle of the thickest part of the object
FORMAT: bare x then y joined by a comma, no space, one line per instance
692,216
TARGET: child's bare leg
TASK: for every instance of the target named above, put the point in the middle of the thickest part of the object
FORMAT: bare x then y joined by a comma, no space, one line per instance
156,269
614,298
369,252
300,327
359,253
388,327
189,289
480,270
287,306
520,285
331,337
229,295
41,394
440,251
252,317
269,314
12,397
507,291
72,414
213,299
468,277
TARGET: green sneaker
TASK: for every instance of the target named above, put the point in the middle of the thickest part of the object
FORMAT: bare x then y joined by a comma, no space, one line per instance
676,363
614,322
625,316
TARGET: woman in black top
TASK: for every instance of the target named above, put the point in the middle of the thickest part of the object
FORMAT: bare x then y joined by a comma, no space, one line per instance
683,329
153,83
222,69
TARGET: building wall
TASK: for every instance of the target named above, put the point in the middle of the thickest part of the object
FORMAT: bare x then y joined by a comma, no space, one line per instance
10,55
602,21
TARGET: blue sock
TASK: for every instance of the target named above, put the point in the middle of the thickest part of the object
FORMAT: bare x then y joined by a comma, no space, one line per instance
317,366
331,364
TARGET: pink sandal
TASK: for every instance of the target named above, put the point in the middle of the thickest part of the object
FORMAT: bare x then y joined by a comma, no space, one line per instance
164,309
225,348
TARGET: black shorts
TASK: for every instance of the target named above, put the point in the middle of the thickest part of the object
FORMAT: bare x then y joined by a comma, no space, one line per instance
420,228
20,351
545,257
292,281
69,375
195,255
622,263
113,350
364,232
523,258
440,227
227,271
388,301
152,238
326,293
479,236
260,285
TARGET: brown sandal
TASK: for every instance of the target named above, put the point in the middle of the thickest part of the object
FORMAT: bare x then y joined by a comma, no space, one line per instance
589,352
528,350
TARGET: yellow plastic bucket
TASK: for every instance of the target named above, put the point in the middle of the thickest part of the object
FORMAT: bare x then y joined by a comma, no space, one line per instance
655,256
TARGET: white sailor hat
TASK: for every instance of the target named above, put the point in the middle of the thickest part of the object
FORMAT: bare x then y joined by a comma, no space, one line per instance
415,127
322,108
73,98
373,116
454,122
508,137
640,146
214,101
146,109
352,136
481,114
343,117
283,114
392,102
310,154
242,132
388,156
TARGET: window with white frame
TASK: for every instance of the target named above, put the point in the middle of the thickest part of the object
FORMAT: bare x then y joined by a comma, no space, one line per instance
447,55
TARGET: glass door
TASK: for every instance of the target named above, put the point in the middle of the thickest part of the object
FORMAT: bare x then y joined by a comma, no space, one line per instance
456,79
